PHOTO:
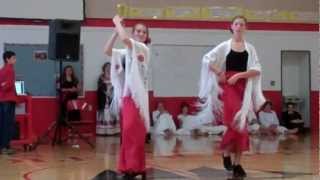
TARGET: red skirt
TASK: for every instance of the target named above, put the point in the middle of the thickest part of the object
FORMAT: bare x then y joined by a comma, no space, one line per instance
133,132
233,140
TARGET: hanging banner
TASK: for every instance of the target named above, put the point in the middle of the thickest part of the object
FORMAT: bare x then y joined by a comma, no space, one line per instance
217,13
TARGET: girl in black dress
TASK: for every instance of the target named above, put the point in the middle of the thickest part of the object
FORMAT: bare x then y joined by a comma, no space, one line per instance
69,91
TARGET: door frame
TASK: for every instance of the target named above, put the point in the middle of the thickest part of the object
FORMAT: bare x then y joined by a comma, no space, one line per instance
309,76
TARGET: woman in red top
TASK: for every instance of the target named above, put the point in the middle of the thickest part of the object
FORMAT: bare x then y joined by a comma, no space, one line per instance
8,98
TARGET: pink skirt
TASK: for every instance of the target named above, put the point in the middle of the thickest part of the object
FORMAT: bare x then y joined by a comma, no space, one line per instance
233,140
133,132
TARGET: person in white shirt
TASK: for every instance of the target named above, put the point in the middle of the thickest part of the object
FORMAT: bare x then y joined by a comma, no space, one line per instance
192,125
269,121
184,118
187,124
163,121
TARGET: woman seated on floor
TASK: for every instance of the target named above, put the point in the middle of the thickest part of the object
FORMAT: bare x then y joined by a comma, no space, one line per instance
191,125
270,123
163,121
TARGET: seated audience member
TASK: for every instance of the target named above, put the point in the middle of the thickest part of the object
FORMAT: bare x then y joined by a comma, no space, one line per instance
163,122
291,119
269,121
183,116
191,125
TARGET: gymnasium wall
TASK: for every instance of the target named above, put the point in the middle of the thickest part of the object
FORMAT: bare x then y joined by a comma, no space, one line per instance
268,38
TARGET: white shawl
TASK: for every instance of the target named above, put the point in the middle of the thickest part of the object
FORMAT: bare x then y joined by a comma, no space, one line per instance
131,81
209,87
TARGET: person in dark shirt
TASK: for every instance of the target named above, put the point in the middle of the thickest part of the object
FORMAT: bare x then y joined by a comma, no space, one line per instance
292,119
230,86
8,98
69,91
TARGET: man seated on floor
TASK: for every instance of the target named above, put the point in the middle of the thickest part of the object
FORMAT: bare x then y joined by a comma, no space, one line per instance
291,119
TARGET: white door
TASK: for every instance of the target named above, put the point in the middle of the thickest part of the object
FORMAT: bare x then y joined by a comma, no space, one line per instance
296,80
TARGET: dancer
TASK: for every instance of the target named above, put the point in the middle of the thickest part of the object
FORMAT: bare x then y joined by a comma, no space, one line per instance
235,67
129,79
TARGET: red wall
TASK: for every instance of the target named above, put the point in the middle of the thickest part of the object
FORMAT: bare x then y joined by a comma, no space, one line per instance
315,112
176,24
172,104
45,110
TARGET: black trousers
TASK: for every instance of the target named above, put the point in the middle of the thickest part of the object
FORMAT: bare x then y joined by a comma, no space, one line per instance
7,123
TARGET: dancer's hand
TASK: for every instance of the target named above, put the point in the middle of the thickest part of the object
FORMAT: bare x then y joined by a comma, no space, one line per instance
233,79
221,77
140,57
220,74
117,20
3,84
202,100
74,89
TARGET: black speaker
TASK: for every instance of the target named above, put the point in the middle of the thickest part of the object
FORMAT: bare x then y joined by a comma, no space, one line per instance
64,40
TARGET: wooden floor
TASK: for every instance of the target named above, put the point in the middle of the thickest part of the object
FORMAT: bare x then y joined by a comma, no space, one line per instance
293,157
